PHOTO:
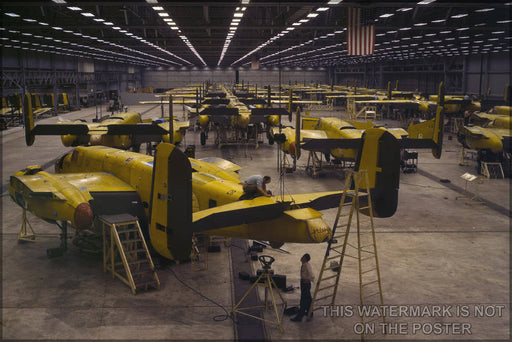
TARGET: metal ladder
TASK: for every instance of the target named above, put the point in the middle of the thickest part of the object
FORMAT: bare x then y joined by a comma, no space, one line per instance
355,200
126,254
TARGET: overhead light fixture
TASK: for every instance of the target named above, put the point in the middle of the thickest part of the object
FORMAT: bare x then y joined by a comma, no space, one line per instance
503,21
458,16
87,14
334,2
425,2
312,15
322,9
59,1
57,28
420,24
438,21
74,8
108,23
14,15
463,29
386,15
404,9
99,20
163,14
238,15
484,10
158,8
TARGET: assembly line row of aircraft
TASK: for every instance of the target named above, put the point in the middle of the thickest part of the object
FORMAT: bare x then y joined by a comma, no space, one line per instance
175,196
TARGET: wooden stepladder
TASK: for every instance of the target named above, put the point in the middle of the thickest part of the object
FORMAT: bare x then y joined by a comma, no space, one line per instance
356,198
126,254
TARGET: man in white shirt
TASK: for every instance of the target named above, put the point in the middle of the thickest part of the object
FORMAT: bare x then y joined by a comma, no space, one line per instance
306,278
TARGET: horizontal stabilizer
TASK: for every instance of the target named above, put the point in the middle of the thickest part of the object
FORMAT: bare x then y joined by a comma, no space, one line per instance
237,213
252,102
137,129
223,164
60,129
270,111
219,111
216,102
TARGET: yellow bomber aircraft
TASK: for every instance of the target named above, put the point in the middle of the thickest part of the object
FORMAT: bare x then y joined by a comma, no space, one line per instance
341,139
236,113
123,130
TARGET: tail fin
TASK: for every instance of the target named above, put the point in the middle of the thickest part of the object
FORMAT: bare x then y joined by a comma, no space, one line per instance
389,90
297,133
433,128
380,156
439,123
171,203
28,116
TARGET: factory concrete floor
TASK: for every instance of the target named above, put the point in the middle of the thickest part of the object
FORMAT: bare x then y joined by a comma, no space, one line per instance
436,252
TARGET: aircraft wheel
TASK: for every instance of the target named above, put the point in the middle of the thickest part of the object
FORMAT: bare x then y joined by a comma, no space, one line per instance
270,139
203,138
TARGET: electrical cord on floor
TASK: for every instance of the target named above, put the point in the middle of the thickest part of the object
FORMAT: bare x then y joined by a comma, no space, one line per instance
218,318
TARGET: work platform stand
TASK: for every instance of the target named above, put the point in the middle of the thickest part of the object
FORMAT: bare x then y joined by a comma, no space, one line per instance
270,291
356,198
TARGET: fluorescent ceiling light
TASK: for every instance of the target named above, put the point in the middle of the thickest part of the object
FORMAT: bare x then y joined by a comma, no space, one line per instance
334,2
108,23
57,28
163,14
420,24
59,1
438,21
245,2
386,15
304,20
158,8
484,10
425,2
458,16
152,1
463,29
312,15
322,9
404,9
74,8
14,15
99,20
87,14
498,32
503,21
238,15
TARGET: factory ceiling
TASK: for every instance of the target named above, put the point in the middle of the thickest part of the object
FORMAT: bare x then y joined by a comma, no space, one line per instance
159,33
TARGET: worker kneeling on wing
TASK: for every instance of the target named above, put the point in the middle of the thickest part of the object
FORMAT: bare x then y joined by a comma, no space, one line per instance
255,186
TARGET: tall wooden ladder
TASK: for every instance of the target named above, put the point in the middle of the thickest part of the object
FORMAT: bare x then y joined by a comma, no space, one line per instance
356,197
126,254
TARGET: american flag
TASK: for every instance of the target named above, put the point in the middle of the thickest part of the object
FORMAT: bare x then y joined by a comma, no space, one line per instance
360,39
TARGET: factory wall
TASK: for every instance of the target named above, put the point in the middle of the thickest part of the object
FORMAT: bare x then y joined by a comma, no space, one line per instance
462,74
43,70
169,78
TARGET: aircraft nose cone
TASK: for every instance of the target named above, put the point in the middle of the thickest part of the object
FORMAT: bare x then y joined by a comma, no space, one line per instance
83,216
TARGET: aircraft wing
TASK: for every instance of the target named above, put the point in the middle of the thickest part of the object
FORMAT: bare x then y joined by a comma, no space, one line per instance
39,184
475,131
70,197
223,164
237,213
219,111
269,111
136,129
61,129
261,209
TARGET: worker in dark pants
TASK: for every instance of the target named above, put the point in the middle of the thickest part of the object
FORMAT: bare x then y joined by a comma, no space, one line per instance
255,186
306,278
